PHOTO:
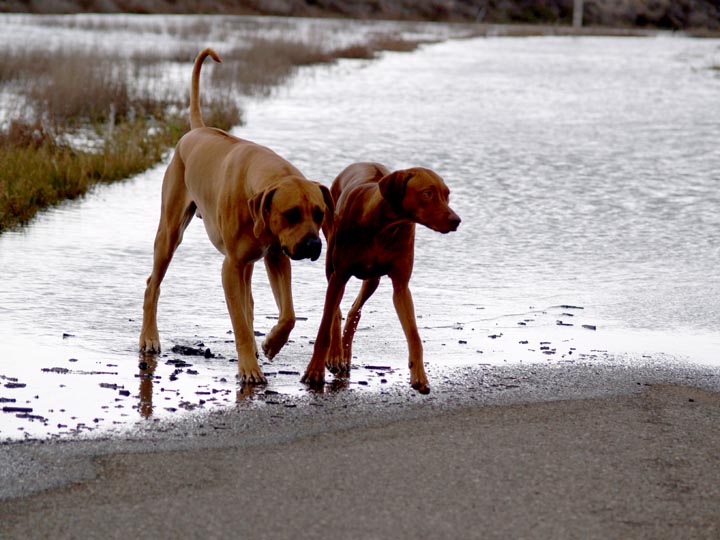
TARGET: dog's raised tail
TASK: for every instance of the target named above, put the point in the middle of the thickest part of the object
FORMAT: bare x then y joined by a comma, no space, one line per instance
196,120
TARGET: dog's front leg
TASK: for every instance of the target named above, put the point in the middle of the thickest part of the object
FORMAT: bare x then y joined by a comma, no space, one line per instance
406,313
315,371
237,280
149,335
279,274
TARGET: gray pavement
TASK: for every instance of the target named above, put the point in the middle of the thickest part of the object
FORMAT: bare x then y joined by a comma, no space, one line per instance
582,451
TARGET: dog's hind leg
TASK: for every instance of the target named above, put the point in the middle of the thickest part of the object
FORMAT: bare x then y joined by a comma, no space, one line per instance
176,213
368,287
334,361
279,274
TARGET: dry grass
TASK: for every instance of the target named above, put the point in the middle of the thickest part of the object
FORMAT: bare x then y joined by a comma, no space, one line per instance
133,122
379,43
392,43
135,113
263,64
362,51
197,27
50,82
184,54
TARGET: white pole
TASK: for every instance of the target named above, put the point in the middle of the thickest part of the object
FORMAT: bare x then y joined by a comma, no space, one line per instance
578,14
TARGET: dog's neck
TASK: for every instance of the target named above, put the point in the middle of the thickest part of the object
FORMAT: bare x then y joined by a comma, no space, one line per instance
386,219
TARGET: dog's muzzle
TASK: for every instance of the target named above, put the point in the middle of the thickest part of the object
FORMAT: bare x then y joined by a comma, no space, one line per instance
448,225
454,222
308,248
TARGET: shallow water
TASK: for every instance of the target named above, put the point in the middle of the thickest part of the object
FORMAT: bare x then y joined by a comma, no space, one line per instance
587,174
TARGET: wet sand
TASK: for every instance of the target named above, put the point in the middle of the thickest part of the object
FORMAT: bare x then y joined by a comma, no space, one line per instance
614,449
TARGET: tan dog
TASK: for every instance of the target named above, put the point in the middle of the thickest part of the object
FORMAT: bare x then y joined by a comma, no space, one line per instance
374,235
254,204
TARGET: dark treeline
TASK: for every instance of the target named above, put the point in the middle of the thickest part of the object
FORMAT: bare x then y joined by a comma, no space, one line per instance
664,14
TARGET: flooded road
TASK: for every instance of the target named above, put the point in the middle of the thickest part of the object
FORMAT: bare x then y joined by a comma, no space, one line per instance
587,174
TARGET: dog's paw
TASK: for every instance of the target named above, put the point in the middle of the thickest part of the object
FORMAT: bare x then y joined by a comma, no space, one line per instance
419,382
314,378
271,347
252,375
338,366
276,340
149,344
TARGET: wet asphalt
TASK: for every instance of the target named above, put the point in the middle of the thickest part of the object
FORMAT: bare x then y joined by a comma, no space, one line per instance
614,449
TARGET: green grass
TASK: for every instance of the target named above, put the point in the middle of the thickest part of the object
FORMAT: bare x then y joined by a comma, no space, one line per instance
38,172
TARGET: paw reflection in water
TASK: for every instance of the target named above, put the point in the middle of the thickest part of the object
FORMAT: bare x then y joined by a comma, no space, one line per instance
147,367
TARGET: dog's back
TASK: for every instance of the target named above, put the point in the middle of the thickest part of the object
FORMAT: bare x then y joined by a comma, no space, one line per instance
355,175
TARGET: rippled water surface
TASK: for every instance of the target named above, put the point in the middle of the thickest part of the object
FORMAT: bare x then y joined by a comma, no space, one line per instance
586,171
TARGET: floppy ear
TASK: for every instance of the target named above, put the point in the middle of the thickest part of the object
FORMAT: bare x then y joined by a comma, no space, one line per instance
392,188
259,205
329,205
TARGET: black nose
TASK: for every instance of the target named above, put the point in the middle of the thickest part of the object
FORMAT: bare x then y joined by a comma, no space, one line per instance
454,222
309,248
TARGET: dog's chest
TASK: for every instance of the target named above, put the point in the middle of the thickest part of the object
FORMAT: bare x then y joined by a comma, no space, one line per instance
378,259
371,251
368,269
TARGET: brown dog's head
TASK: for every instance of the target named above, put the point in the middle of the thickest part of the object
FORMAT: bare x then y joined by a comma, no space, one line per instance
293,212
421,195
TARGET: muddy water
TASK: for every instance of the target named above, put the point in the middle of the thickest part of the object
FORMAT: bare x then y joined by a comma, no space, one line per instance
586,171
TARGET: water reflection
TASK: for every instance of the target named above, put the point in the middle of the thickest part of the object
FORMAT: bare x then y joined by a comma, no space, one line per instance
338,383
247,392
147,367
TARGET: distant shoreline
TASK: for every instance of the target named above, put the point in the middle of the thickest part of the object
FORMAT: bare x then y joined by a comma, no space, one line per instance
694,17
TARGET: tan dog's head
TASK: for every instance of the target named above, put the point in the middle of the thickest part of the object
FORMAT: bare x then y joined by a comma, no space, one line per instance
293,211
421,195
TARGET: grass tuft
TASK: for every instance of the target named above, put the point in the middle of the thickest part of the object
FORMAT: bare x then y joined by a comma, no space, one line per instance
264,64
38,171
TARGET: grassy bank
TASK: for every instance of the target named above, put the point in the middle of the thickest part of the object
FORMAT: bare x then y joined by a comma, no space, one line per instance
85,117
39,171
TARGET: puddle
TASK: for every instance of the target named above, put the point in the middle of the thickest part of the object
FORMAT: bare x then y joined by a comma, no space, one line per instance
587,230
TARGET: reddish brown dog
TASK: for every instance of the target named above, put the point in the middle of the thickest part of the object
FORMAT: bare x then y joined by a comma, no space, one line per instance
373,235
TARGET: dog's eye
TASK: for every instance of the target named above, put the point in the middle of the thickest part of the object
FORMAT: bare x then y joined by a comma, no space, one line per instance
293,216
318,215
427,194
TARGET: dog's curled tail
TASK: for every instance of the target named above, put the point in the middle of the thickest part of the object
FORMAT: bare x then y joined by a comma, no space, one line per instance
196,120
